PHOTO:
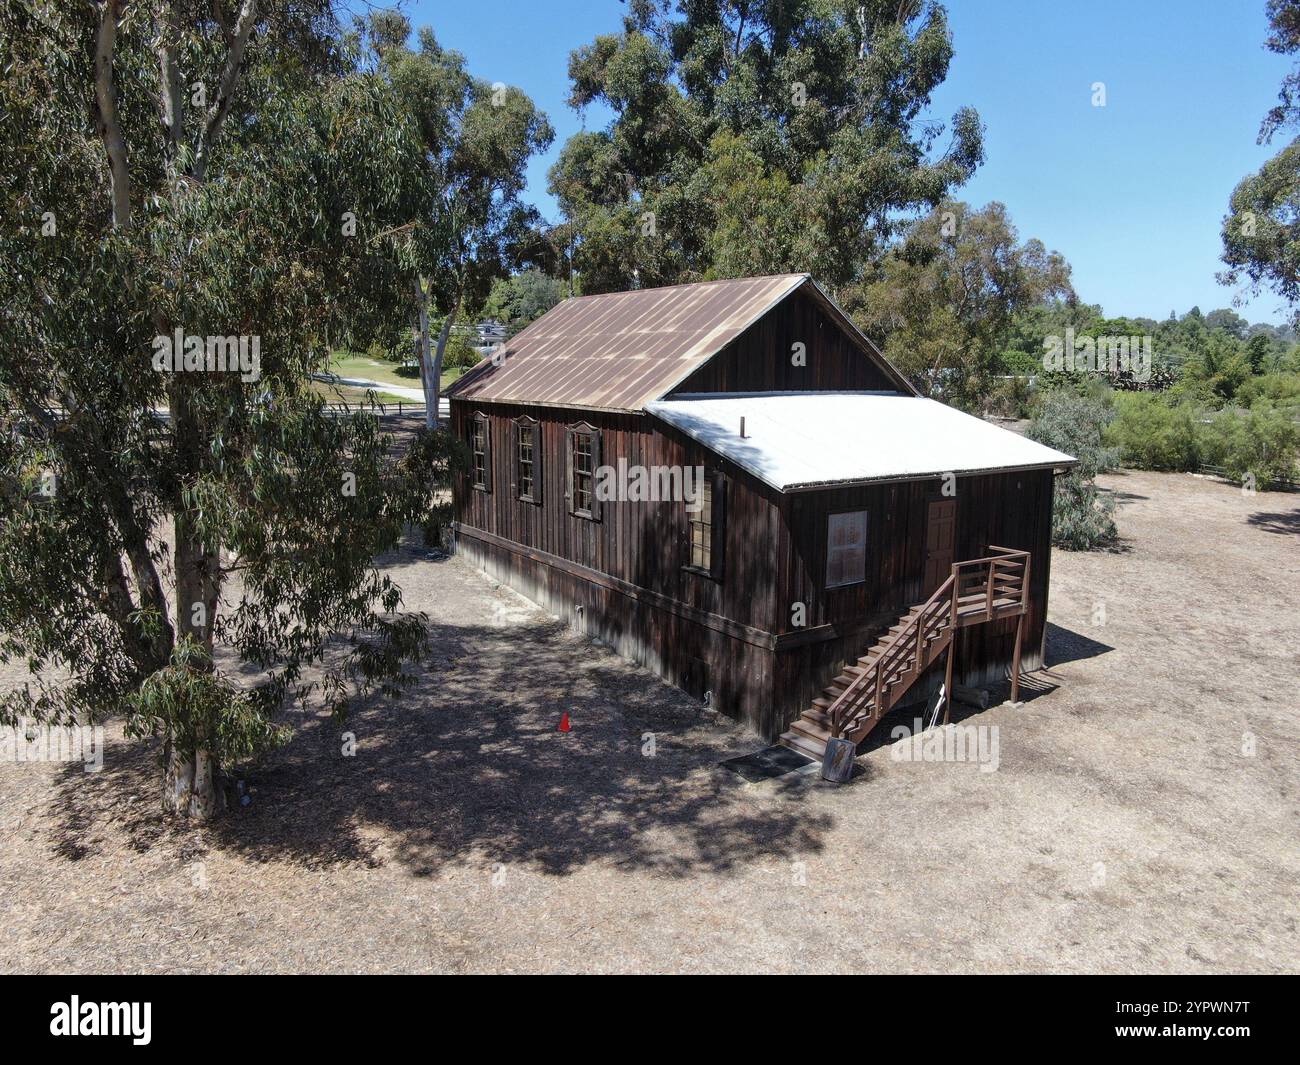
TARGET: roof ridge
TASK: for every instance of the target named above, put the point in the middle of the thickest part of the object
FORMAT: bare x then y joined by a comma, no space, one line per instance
689,284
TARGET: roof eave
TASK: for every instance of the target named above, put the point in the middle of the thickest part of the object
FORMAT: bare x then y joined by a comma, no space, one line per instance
813,486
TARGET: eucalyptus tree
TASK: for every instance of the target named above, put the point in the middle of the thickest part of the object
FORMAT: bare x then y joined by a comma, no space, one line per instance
945,299
206,196
1261,233
758,135
478,137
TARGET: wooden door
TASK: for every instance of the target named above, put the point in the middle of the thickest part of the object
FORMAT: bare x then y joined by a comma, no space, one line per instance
940,536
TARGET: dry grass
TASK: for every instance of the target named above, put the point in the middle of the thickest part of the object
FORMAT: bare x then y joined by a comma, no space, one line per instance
1124,830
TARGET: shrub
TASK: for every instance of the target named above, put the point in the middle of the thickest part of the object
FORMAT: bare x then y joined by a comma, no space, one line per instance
1082,518
459,353
1009,398
1014,361
1282,388
1152,433
1262,443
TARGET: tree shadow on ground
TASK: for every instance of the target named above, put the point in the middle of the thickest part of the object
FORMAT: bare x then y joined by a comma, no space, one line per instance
1282,522
470,766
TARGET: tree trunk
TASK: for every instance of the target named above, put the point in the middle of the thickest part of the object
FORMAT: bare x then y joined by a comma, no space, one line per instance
193,785
436,374
426,364
192,781
110,126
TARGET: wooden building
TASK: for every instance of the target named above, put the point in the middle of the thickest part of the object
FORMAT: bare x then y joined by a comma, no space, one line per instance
729,484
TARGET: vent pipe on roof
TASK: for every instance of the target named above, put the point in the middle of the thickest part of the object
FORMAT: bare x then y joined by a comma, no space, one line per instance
742,427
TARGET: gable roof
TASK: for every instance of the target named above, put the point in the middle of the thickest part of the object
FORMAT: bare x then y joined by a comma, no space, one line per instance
801,440
622,350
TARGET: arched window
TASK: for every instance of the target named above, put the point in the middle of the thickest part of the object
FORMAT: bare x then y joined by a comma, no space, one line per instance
583,447
528,459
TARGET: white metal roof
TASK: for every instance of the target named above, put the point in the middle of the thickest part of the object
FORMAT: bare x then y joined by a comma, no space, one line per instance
805,440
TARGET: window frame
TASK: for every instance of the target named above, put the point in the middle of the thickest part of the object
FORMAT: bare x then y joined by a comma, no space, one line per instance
521,425
478,421
572,434
716,525
831,548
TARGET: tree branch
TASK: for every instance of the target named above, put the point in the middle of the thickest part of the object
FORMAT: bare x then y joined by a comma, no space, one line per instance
173,118
229,77
110,127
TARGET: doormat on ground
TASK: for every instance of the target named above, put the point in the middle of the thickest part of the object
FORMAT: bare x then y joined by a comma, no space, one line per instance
769,763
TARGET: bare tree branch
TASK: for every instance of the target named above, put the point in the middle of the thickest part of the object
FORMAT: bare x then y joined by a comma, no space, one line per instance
229,78
110,127
173,117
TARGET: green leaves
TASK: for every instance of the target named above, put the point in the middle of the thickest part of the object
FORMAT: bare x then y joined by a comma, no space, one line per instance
820,104
476,139
1082,519
1261,234
300,234
945,299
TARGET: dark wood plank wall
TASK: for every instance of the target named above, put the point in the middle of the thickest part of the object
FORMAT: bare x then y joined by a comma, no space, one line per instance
735,637
729,673
643,543
1010,509
759,360
704,635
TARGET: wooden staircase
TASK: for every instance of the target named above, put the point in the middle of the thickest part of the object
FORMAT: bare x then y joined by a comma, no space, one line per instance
975,592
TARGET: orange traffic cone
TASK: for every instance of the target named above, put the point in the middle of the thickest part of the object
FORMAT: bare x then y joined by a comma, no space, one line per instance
564,721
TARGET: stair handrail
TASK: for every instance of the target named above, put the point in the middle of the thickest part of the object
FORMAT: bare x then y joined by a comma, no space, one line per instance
991,561
947,590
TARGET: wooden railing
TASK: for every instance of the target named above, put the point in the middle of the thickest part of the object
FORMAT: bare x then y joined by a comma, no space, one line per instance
976,591
931,621
1000,576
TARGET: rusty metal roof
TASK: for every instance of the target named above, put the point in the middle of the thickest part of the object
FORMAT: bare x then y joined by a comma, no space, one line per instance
622,350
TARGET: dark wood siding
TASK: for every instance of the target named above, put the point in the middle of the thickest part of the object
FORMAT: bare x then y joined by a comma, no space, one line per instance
1007,509
627,570
622,578
759,360
643,543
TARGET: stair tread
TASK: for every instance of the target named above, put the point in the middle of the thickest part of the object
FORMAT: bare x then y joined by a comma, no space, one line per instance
803,745
810,731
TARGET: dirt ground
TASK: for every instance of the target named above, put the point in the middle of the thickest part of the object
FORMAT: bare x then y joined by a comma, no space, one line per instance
1142,815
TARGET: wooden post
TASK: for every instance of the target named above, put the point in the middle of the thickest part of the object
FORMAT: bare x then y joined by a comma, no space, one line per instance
1015,659
956,594
920,639
947,677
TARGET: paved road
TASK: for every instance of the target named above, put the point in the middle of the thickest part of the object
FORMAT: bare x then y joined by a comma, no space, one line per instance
416,395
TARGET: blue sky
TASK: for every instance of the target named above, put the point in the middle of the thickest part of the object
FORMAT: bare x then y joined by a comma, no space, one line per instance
1132,193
